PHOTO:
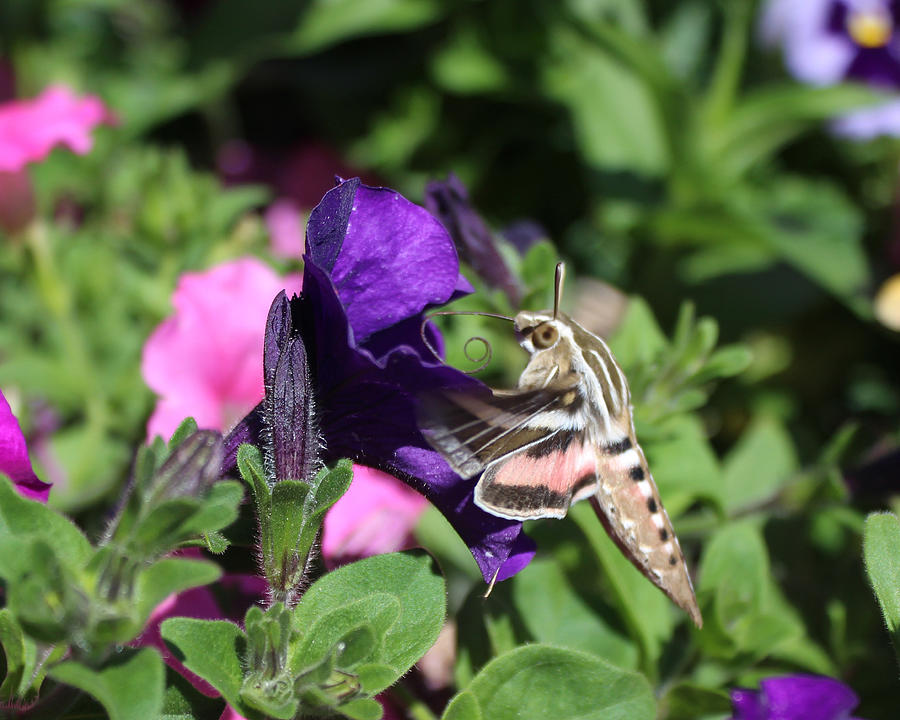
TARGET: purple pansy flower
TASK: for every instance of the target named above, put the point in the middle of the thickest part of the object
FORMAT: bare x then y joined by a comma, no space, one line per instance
795,697
14,462
374,263
831,41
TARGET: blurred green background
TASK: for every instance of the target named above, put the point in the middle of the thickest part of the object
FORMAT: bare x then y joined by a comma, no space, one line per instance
654,144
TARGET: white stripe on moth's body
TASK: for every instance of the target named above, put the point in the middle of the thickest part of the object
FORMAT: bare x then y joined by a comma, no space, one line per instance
627,459
613,394
580,366
658,520
645,488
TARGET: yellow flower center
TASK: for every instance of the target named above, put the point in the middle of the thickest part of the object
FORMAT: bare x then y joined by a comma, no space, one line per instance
870,28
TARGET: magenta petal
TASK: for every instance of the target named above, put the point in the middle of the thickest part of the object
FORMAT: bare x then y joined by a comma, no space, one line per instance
14,462
369,238
30,129
376,515
747,705
809,697
205,360
795,697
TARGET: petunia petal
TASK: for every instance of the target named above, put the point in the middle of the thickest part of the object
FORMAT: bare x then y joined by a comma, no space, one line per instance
14,462
388,258
809,697
30,129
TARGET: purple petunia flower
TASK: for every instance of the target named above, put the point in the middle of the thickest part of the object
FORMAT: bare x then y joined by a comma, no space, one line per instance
795,697
14,462
831,41
374,263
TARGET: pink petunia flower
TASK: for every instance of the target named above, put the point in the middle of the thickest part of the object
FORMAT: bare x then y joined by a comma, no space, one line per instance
30,129
205,360
376,515
14,462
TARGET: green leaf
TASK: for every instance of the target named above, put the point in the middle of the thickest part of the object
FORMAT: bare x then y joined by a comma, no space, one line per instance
213,650
399,597
326,22
541,681
327,488
683,463
168,576
219,509
129,687
362,709
553,613
773,115
639,339
20,651
645,610
463,706
47,598
881,550
183,701
688,701
21,517
615,117
250,465
187,428
759,465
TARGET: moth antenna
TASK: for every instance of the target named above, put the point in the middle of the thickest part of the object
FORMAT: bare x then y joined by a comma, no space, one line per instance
558,287
485,357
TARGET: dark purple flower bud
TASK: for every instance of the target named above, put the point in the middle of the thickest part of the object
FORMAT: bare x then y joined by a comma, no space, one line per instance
292,431
449,202
375,263
795,697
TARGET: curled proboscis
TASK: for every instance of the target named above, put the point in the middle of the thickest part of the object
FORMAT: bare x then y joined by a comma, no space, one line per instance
488,352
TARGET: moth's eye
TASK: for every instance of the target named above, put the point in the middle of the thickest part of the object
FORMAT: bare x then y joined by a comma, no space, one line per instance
545,336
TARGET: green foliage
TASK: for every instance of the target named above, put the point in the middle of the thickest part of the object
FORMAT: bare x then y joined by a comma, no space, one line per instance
130,687
68,597
663,151
354,632
542,681
880,544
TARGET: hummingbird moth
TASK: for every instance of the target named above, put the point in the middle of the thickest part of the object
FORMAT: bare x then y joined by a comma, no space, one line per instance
565,434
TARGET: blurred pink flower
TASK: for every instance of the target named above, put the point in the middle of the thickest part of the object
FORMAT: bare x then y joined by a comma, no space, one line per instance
205,360
14,462
285,224
30,129
376,515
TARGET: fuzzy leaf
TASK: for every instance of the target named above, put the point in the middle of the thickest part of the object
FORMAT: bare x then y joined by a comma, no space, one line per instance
167,576
19,650
881,549
399,597
212,649
541,681
21,517
129,687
